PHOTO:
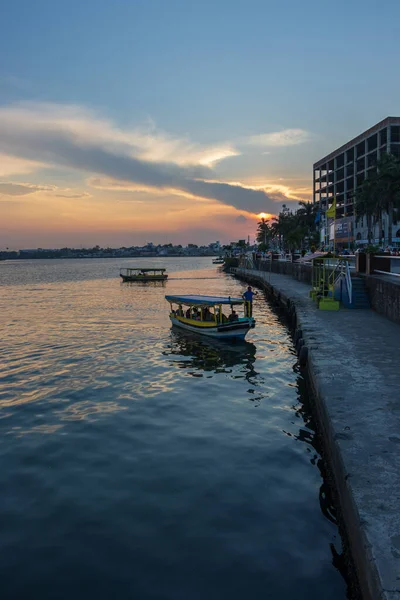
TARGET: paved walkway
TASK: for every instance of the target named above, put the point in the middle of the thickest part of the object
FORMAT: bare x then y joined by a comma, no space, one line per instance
354,359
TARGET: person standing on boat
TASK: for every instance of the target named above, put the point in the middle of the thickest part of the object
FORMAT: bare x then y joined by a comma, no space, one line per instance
248,296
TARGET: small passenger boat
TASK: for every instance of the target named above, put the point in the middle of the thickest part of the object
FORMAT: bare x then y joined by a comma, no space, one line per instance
205,315
143,274
218,261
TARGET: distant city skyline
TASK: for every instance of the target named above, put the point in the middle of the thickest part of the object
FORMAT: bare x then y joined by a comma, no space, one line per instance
122,123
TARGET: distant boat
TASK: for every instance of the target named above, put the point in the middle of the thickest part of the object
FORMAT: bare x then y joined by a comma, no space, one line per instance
218,261
205,315
143,274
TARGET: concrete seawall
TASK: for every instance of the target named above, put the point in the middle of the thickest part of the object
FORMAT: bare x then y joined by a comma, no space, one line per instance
383,290
351,358
384,293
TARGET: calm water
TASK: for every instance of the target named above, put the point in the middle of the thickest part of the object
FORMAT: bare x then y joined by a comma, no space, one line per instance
141,463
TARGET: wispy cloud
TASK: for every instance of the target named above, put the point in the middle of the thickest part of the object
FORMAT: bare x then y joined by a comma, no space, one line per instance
87,127
12,165
279,139
11,188
70,194
158,146
22,189
71,137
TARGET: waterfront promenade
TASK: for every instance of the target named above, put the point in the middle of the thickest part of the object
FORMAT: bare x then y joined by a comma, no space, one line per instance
354,367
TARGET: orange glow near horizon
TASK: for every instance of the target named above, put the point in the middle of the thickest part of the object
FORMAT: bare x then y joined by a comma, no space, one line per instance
44,219
92,212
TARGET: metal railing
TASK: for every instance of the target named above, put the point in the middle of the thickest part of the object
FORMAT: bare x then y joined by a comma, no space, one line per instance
387,273
349,283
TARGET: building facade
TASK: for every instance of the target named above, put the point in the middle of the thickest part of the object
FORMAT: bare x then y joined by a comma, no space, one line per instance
340,173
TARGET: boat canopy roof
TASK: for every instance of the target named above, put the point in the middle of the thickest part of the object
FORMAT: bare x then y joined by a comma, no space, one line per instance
141,270
204,300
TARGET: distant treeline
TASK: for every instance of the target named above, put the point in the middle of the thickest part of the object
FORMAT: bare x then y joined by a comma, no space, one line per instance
97,253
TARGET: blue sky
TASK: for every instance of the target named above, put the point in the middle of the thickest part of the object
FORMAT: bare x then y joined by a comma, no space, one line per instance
215,74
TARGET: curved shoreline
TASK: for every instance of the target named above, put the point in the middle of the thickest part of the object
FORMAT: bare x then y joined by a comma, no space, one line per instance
350,401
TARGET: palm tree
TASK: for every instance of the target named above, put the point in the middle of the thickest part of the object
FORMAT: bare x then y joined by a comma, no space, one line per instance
306,217
388,188
380,193
307,213
367,205
264,232
289,229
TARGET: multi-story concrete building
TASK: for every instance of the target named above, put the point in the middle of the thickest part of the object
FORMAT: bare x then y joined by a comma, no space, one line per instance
342,171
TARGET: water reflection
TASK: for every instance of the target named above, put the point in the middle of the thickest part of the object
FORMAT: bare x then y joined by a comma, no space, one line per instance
308,434
143,283
88,410
109,427
210,355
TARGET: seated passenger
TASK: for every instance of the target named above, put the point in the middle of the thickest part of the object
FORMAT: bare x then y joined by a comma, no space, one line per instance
188,313
233,316
207,316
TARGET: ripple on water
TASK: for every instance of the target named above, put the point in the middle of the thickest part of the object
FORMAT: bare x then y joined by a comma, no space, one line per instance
145,463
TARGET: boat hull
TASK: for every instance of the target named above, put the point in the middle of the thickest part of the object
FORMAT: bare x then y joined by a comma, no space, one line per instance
228,331
144,278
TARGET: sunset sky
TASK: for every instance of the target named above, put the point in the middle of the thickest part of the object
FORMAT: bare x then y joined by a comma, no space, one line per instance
179,121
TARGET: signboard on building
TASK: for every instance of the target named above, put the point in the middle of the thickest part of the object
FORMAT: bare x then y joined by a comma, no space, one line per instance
344,231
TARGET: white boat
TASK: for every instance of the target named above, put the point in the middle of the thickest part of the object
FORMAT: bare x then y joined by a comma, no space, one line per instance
205,315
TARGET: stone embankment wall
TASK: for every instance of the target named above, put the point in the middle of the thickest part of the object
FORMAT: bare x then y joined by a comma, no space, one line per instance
298,271
384,296
354,394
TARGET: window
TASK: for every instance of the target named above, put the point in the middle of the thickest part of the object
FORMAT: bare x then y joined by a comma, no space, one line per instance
372,142
360,149
340,188
372,159
395,149
360,165
350,155
340,174
395,133
340,161
383,136
358,237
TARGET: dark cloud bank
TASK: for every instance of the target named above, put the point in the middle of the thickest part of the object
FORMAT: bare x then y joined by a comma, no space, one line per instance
56,146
